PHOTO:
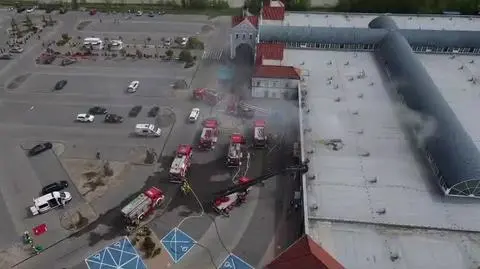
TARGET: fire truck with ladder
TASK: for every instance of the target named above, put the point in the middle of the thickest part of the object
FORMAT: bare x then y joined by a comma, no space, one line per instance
209,136
210,96
259,136
225,200
181,163
142,206
235,153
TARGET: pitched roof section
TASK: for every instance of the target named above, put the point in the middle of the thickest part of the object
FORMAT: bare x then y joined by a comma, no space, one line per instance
273,13
276,71
265,51
236,20
304,254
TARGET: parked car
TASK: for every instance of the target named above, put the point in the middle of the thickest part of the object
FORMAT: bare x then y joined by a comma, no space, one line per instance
162,12
151,14
55,186
133,86
21,9
6,56
93,11
139,13
31,9
40,148
85,118
135,111
68,61
97,110
60,84
113,118
153,111
16,50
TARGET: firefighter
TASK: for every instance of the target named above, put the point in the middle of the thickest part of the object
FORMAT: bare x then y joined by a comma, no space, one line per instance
186,188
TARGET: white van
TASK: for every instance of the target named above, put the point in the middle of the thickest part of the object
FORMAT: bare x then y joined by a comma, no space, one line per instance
146,129
49,201
194,115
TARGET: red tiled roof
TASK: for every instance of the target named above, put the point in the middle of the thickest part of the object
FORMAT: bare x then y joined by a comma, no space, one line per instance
304,254
236,20
273,13
267,3
269,52
276,71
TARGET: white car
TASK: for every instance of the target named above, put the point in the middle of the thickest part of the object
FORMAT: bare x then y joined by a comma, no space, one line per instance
133,86
30,10
194,115
139,13
184,41
85,118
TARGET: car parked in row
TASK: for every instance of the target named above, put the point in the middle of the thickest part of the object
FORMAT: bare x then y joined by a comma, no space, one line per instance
135,111
55,186
40,148
133,86
60,84
97,110
113,118
153,111
85,118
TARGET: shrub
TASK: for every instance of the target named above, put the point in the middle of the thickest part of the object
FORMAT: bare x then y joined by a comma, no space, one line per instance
185,56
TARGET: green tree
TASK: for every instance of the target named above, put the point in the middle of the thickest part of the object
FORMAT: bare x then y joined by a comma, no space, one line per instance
194,43
185,56
254,6
169,53
65,36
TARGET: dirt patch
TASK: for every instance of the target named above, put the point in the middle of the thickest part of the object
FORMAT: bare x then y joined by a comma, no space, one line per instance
13,255
207,28
153,254
166,118
76,218
93,177
83,25
15,83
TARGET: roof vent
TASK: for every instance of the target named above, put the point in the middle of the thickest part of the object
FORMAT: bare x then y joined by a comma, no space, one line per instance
372,180
307,130
329,63
311,177
329,82
336,86
329,78
360,96
310,151
452,57
409,18
470,79
471,61
337,99
450,18
360,131
461,67
432,18
307,111
355,55
371,83
347,63
381,211
313,207
394,256
364,154
350,78
355,112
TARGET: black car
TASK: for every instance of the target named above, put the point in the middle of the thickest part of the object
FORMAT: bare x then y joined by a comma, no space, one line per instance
151,14
60,84
113,118
154,111
135,111
56,186
21,9
97,110
40,148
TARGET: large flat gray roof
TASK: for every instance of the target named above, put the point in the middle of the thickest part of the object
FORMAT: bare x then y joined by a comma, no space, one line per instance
360,111
355,20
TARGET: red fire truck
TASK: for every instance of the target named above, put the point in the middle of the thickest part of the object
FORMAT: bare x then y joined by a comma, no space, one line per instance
226,199
235,153
209,135
210,96
259,136
142,206
223,205
181,163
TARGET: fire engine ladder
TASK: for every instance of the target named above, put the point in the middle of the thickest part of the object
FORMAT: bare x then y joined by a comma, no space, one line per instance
255,108
303,168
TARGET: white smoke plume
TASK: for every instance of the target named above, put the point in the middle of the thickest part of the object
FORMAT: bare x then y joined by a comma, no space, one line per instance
421,126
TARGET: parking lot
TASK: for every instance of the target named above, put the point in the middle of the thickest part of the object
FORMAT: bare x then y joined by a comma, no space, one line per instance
32,112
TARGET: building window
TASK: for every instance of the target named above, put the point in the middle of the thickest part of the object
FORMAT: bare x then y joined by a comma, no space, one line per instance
237,36
274,84
243,37
251,36
286,85
258,83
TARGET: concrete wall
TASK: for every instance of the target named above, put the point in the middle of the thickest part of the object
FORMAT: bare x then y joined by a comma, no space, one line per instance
324,3
271,62
275,83
231,3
